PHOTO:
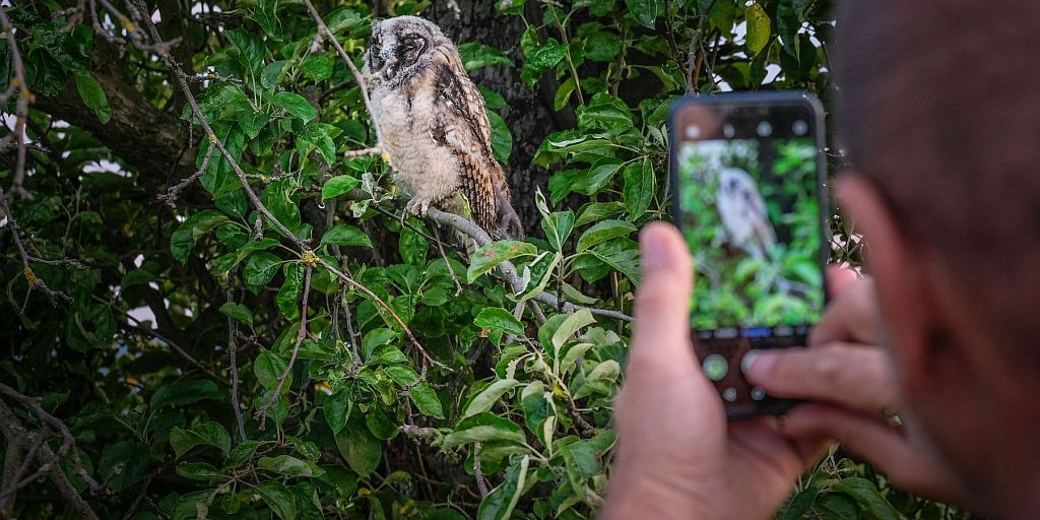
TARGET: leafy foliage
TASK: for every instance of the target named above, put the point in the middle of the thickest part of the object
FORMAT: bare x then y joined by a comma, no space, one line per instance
208,368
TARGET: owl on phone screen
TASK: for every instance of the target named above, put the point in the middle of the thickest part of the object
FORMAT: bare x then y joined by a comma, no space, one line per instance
743,213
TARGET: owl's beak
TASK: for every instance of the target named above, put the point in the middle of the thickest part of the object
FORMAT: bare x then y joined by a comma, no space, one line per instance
390,68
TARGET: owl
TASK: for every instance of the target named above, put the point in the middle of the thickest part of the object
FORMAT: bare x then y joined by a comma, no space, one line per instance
743,213
433,125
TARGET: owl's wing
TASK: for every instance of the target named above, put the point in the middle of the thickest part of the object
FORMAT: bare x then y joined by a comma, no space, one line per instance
460,106
461,124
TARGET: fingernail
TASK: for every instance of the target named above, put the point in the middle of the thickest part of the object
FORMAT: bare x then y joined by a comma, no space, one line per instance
654,249
758,361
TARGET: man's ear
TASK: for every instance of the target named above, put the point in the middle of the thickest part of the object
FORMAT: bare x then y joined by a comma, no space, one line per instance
897,268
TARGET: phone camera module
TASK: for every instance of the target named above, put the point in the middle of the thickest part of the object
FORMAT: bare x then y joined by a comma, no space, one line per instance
764,129
800,127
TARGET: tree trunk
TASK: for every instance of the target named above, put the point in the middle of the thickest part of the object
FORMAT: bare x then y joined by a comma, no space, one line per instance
529,115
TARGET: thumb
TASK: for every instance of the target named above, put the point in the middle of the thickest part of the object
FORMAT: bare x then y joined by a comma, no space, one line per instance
660,339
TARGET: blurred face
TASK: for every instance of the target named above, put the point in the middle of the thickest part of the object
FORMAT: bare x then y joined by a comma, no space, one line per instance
951,377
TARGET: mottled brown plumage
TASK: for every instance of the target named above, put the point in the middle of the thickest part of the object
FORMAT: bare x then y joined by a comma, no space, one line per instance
434,126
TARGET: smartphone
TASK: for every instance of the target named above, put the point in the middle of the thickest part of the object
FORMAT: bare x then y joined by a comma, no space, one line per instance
747,174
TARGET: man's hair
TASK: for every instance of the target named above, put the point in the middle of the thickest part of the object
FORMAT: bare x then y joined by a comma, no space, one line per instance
939,105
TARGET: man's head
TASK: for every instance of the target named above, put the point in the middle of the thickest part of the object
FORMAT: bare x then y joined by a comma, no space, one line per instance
940,114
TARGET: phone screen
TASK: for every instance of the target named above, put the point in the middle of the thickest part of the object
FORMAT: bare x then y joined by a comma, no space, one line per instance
749,206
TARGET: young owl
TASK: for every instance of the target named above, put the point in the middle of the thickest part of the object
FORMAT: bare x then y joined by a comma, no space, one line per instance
743,213
434,126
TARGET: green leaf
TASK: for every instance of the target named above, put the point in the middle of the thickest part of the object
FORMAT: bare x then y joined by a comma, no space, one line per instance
268,367
599,175
200,471
645,11
261,268
238,312
426,400
499,319
487,398
563,94
477,55
499,504
539,57
346,235
575,322
375,338
790,14
387,355
604,231
501,137
289,466
242,452
317,67
639,188
558,227
758,28
123,464
93,96
797,507
296,105
288,297
358,447
279,499
482,428
318,135
336,409
869,498
207,433
490,255
493,100
403,375
337,186
191,230
271,74
186,391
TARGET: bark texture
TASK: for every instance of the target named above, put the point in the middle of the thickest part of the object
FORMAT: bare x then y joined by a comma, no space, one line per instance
530,115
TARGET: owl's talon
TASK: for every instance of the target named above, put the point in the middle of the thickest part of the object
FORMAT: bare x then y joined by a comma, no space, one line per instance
418,207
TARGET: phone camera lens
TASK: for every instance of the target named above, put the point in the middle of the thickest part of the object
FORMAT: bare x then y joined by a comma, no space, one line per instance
765,129
757,393
728,131
693,132
800,127
730,394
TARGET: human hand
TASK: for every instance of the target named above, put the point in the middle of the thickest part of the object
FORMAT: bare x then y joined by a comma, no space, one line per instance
854,392
678,456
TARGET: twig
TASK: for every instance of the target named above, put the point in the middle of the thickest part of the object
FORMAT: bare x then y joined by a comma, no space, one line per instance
358,77
447,264
170,196
34,282
15,433
349,318
695,58
508,269
478,473
18,83
233,368
156,335
261,414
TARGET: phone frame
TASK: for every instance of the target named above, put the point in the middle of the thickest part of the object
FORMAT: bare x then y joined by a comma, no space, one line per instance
769,406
